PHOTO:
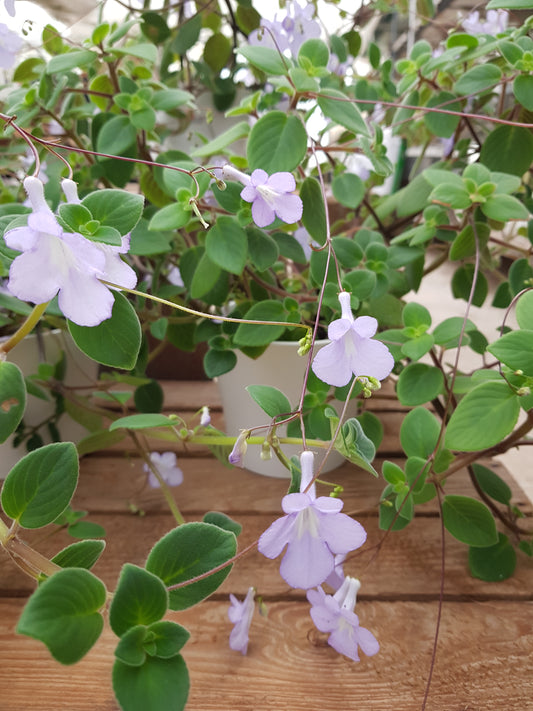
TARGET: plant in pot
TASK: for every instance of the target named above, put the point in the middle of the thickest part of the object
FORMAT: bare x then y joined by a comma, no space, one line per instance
238,249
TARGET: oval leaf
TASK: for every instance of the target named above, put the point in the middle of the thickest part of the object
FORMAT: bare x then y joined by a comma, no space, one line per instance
40,486
158,684
64,614
493,563
469,521
277,142
12,398
270,399
140,599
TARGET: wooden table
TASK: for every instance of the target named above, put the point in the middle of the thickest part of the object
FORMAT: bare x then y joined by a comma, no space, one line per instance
485,648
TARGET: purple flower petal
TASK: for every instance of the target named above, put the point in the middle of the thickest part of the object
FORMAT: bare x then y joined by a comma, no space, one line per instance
22,282
276,537
262,213
289,208
366,640
21,238
281,182
307,562
249,193
293,503
365,326
84,300
331,366
259,177
338,328
341,533
371,358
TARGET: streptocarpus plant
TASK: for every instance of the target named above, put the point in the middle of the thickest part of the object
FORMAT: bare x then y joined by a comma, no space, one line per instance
286,238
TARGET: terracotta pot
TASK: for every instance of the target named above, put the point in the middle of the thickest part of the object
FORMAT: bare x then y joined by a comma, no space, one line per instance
281,367
81,371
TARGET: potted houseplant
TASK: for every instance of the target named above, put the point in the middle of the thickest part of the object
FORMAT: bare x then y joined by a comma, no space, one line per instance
284,237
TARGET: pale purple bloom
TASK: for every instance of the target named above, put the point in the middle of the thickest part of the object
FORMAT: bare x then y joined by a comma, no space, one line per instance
10,43
174,276
336,66
336,577
289,29
10,7
166,465
236,455
314,532
334,614
495,22
240,614
306,242
352,350
115,271
205,417
271,197
56,262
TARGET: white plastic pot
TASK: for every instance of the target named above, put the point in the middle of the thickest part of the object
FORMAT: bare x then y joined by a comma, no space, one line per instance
81,371
279,366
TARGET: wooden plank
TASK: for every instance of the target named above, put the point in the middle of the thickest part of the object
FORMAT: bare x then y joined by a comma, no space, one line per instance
110,483
289,667
408,564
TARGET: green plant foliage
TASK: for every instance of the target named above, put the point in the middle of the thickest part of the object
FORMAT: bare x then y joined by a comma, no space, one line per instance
469,521
353,443
493,485
419,383
191,550
40,486
340,108
140,599
115,342
260,335
82,554
515,349
419,433
155,685
486,415
12,398
277,142
227,245
493,563
314,213
269,399
64,614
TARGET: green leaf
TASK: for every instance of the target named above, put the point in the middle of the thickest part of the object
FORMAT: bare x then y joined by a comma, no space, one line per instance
262,249
82,554
523,90
520,275
447,333
64,614
314,213
116,341
227,245
469,521
116,136
218,362
451,195
188,551
115,208
142,422
478,79
419,383
504,208
140,599
508,149
493,563
315,52
443,125
218,144
170,217
277,143
260,335
348,189
12,398
222,521
340,108
353,443
70,60
86,529
158,684
493,485
188,34
39,487
266,59
419,433
149,397
486,415
217,51
462,285
170,99
205,277
524,311
417,347
509,4
269,399
416,316
144,50
515,349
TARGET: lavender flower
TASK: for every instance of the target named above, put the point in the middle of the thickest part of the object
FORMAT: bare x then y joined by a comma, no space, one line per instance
115,269
56,262
236,455
334,614
271,196
352,350
288,31
166,465
174,276
306,242
314,531
205,417
10,7
10,43
240,614
495,22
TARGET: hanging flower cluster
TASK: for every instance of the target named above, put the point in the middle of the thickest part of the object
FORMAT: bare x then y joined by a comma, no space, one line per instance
64,263
240,614
166,465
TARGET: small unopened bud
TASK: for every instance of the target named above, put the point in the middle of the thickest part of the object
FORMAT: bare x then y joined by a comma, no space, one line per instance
305,344
239,449
523,391
221,185
196,210
266,452
205,417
